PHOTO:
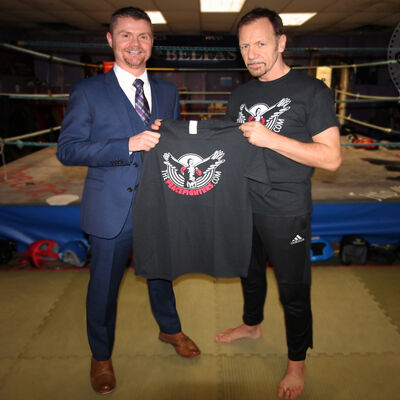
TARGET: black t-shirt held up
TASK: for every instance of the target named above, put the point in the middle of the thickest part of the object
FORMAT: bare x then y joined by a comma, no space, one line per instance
192,211
296,106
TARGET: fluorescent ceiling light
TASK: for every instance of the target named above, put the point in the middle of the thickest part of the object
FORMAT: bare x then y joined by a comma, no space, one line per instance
156,17
221,5
296,19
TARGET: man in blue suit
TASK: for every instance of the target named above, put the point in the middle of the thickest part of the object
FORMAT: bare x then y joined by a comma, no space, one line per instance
106,129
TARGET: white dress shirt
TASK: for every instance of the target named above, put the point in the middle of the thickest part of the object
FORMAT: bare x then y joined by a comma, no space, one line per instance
126,79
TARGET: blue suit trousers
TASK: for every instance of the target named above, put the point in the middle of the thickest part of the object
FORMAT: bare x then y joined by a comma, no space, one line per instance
109,258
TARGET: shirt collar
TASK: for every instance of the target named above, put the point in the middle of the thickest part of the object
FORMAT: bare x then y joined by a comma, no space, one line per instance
126,78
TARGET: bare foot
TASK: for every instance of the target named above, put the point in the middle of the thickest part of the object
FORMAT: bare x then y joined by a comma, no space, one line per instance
292,384
240,332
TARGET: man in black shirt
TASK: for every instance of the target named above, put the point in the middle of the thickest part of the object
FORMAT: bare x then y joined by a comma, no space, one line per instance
291,116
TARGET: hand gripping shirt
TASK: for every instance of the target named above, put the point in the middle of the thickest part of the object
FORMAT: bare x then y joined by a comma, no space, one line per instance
192,212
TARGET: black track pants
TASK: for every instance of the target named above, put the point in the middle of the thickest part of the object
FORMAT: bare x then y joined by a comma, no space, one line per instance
285,241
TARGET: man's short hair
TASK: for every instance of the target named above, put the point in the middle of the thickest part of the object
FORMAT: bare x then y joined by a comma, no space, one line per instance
258,13
132,12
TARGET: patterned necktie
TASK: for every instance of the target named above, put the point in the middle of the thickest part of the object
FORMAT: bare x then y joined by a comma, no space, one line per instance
141,104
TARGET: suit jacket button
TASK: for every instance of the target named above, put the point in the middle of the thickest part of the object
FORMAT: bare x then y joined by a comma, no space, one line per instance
135,164
129,189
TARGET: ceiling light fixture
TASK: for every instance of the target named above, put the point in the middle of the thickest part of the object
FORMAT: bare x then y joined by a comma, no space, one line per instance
156,17
296,19
209,6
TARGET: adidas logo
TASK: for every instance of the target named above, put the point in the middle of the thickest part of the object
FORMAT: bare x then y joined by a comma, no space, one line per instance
297,239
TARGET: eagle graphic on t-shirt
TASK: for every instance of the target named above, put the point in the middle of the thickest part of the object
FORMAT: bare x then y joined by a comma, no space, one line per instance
191,167
261,112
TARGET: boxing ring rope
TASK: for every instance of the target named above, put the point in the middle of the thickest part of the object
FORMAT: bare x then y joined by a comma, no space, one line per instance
16,140
202,113
366,101
63,97
337,66
205,93
197,48
20,144
364,96
379,128
67,61
28,96
385,144
33,134
48,57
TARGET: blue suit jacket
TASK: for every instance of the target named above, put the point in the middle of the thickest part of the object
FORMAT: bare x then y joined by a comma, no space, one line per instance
95,133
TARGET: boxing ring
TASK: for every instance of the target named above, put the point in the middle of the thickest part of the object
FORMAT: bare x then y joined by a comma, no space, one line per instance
355,310
40,198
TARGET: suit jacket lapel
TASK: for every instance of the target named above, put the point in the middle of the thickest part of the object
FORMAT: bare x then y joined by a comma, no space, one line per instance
154,102
119,102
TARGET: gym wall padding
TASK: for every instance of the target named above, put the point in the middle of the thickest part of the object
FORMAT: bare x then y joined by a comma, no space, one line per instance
25,224
375,222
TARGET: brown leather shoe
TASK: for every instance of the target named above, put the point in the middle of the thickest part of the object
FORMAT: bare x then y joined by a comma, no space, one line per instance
102,376
183,345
